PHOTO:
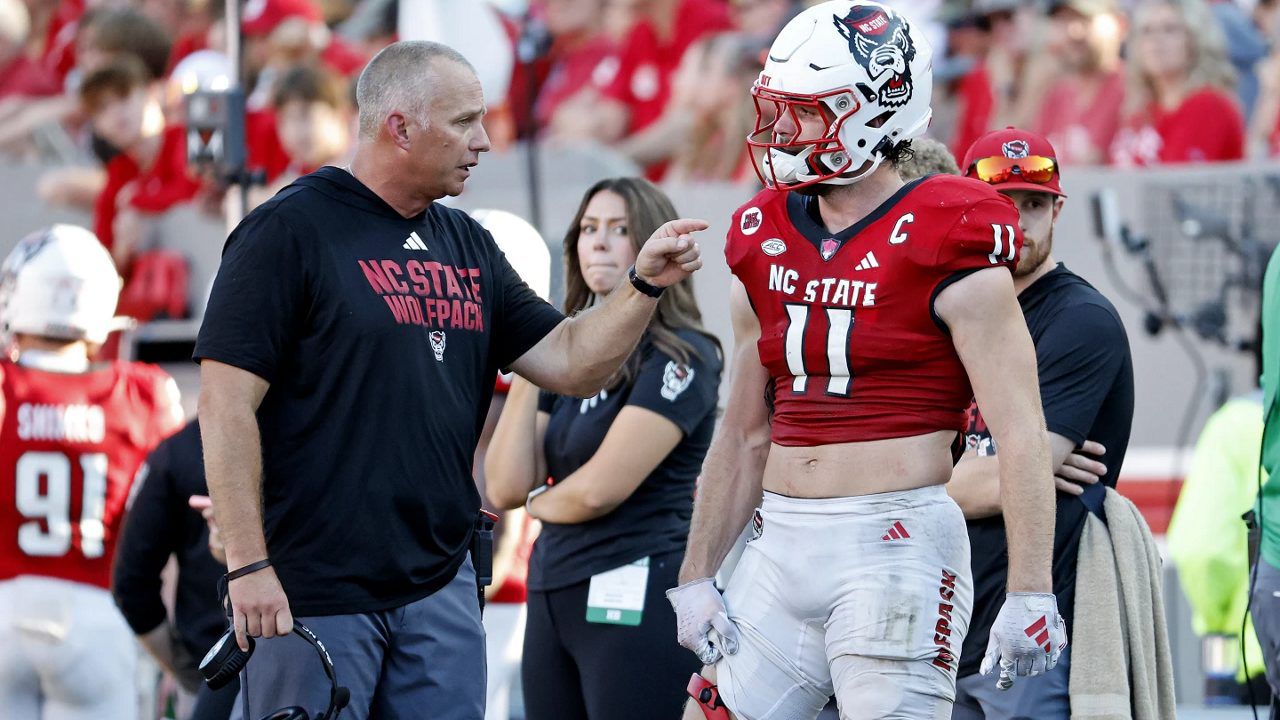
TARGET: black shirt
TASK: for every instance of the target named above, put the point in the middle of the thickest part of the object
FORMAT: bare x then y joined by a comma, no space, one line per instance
381,336
655,518
1086,387
160,523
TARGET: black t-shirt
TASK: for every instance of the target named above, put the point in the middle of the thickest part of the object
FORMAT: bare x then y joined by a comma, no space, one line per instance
1086,387
655,518
381,336
160,523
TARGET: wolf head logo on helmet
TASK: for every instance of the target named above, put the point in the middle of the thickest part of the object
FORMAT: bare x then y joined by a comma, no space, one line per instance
883,47
860,68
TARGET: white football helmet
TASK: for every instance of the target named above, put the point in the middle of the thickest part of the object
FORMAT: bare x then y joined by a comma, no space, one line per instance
864,69
522,244
59,282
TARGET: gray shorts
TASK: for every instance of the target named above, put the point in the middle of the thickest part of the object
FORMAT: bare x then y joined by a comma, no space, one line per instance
424,659
1043,697
1266,621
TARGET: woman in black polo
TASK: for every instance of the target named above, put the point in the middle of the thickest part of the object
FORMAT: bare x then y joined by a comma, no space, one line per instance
600,643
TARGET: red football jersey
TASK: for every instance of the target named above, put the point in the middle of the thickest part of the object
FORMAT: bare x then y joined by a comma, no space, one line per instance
847,329
70,445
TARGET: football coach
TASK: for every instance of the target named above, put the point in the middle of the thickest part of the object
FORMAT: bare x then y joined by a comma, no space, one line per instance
347,357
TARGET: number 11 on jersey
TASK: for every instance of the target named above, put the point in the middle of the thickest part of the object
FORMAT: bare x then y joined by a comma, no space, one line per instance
839,332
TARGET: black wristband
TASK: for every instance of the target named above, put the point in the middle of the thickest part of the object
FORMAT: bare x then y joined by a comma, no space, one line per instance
643,287
252,567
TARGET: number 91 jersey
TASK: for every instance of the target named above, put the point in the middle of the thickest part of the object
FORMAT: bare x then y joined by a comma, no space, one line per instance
70,445
847,327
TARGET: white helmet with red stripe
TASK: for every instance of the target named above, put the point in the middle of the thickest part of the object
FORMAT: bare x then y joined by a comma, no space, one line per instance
59,282
865,69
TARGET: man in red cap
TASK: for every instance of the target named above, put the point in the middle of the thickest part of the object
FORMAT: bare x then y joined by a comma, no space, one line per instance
1086,389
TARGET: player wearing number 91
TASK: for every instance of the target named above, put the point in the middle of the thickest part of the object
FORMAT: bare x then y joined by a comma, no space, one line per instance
72,435
871,308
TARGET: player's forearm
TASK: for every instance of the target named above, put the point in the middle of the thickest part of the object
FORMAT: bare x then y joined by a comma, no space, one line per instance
159,644
513,461
729,489
598,341
233,467
1027,495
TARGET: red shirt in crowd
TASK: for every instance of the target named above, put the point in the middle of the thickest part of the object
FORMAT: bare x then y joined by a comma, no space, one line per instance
591,64
24,77
163,185
263,143
60,39
977,102
1207,127
647,62
1080,127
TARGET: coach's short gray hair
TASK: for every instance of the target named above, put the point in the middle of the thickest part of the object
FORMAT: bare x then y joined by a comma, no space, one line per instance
397,79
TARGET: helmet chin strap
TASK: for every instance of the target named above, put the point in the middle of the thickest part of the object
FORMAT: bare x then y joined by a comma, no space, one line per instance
794,165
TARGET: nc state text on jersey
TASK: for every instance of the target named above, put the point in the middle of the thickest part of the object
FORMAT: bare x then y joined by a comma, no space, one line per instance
828,291
428,293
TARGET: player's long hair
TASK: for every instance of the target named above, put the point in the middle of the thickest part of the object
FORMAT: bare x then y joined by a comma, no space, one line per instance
648,208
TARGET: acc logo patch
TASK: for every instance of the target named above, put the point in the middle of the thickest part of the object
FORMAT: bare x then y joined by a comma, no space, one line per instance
773,247
676,378
757,525
1015,149
751,219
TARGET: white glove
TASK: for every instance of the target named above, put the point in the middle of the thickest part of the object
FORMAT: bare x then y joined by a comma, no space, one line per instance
1026,639
699,608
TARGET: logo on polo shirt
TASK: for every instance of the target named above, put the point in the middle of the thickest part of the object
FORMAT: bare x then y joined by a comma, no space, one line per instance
676,378
413,242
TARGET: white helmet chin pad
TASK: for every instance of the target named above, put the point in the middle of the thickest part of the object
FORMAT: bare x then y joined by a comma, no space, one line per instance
862,65
59,282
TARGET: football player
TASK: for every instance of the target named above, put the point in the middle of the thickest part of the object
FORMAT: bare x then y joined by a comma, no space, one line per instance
72,435
873,308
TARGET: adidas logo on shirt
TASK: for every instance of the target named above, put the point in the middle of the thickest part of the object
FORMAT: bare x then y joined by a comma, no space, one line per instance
868,262
413,242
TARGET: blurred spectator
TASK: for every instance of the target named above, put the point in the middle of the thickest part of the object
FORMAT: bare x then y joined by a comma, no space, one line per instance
1179,103
161,523
650,55
711,113
149,175
108,33
100,35
20,75
1208,543
762,19
927,157
1072,91
1246,46
1264,139
313,121
587,38
278,36
999,35
197,30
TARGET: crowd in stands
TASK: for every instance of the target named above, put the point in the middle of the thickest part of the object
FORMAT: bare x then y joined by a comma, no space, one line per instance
95,88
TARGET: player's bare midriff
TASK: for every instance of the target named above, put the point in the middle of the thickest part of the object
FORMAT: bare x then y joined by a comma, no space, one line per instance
860,468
